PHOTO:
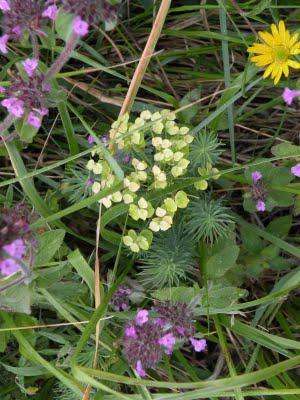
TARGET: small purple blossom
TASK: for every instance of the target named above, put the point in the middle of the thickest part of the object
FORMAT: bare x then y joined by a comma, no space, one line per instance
142,317
51,12
120,299
130,331
33,120
30,65
168,341
90,139
4,5
14,106
260,205
80,27
295,170
2,89
16,250
288,95
3,43
198,344
256,176
139,369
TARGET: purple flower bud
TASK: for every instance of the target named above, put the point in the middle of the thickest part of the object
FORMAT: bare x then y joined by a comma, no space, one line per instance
288,95
3,43
142,317
80,27
50,12
256,176
295,170
168,341
139,369
4,5
14,106
260,205
15,249
130,331
198,344
17,31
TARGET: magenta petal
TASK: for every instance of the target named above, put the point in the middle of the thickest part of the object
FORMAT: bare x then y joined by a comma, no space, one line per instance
295,170
198,344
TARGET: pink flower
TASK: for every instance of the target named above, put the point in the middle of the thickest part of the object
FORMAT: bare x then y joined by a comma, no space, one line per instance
42,111
17,30
3,43
30,65
139,369
50,12
198,344
142,317
130,331
260,205
4,5
168,341
15,249
14,106
256,176
295,170
2,89
34,121
288,95
90,139
80,27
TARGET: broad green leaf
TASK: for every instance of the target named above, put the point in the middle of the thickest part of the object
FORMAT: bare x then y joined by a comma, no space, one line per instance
16,299
83,269
285,149
218,264
49,244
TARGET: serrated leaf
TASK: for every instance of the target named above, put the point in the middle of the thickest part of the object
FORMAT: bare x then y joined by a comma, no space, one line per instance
49,243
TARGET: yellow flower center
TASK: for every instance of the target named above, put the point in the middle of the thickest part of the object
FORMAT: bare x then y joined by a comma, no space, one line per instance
281,53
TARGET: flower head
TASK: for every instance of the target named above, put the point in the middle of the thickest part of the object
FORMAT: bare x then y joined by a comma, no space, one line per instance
256,176
14,106
30,65
275,51
198,344
4,5
50,12
120,300
295,170
288,95
80,27
260,205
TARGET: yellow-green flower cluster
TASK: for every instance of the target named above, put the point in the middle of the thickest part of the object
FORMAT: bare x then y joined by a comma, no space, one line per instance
164,214
137,242
207,172
164,159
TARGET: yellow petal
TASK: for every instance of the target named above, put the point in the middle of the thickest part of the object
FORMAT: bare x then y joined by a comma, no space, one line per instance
285,70
259,48
281,29
278,76
275,71
262,60
267,38
274,29
268,71
293,39
293,64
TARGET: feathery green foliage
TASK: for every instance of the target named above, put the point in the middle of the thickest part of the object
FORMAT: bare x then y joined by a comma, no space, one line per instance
205,149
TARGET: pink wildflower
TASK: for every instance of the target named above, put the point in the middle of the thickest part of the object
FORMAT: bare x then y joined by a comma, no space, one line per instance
288,95
30,65
295,170
80,27
198,344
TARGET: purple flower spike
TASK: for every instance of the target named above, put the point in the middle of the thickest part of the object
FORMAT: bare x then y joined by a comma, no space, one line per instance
34,121
288,95
139,369
130,331
30,65
4,5
295,170
256,176
198,344
260,205
14,106
168,341
142,317
3,43
80,27
50,12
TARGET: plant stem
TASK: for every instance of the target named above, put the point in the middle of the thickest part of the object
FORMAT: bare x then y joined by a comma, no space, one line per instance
145,58
6,123
63,57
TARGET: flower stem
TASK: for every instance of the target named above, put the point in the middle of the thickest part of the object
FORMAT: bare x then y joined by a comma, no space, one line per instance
63,57
6,123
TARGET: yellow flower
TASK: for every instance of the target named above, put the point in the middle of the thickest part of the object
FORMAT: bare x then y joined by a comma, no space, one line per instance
275,51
